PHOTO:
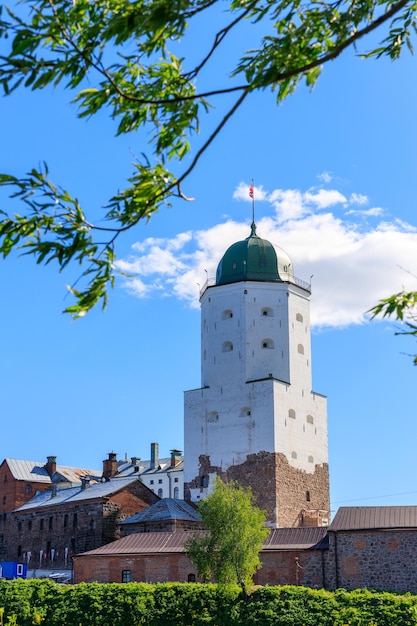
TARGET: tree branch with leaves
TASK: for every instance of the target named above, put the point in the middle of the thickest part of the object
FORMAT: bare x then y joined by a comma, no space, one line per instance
121,56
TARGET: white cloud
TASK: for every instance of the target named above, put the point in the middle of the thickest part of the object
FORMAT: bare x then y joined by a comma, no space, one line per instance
353,265
325,177
374,212
358,198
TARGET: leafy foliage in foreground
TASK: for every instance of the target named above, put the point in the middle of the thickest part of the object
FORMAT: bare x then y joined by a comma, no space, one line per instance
401,306
229,552
173,604
121,56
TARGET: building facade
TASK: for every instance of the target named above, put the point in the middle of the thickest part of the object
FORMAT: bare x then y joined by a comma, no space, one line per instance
255,417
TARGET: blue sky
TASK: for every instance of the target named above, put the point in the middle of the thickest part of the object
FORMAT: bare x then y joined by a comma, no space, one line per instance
334,173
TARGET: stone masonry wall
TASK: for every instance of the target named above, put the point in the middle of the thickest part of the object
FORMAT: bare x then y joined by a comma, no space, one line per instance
291,497
375,559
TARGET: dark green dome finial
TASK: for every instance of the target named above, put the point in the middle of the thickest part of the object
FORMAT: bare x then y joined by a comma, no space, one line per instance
254,259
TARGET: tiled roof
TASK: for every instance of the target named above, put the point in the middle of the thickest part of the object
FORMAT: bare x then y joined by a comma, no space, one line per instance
165,542
165,509
76,494
369,517
35,471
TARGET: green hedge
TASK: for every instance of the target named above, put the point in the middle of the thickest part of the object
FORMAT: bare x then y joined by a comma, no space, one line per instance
173,604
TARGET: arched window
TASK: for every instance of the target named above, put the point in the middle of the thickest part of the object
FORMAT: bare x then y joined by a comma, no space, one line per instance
291,413
299,317
204,481
160,493
176,493
227,314
191,578
300,348
293,455
308,496
267,312
227,346
267,343
310,459
310,419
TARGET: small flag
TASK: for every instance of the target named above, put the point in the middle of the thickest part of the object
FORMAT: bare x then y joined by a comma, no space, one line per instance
251,191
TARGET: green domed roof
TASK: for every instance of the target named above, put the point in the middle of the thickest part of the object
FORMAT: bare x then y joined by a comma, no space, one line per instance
254,259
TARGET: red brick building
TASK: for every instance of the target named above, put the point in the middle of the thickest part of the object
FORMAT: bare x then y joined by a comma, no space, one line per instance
46,531
372,547
21,480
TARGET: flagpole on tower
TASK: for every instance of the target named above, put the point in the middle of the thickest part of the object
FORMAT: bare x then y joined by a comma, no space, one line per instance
252,195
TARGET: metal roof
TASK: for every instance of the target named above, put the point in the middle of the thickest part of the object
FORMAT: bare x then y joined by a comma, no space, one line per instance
165,542
144,543
76,494
165,509
35,471
295,538
370,517
127,468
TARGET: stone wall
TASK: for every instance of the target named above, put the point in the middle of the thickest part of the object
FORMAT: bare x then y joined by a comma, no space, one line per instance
375,559
291,497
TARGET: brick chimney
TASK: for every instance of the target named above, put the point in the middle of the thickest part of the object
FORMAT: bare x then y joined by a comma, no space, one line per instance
154,455
110,466
175,457
50,465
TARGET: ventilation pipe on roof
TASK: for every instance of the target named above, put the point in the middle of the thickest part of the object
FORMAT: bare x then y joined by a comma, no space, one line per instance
85,482
154,455
175,457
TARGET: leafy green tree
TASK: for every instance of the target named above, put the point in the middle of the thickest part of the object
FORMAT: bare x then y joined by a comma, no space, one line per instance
401,306
121,55
229,551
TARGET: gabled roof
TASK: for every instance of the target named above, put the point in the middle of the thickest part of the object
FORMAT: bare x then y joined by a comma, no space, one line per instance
127,468
164,510
166,542
35,471
75,494
374,517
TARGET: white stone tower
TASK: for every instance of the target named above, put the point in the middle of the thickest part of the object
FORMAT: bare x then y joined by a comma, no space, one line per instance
255,418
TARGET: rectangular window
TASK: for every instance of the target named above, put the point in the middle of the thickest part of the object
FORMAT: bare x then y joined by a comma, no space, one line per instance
51,523
41,523
19,551
175,480
30,524
65,520
160,481
126,576
19,527
75,520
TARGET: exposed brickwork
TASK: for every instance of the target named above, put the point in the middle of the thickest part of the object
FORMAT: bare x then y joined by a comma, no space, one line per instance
78,527
290,497
151,569
278,568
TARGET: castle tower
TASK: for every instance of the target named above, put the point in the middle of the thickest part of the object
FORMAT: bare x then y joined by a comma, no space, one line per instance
255,418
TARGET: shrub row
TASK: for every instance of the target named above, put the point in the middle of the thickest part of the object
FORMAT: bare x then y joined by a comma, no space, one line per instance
173,604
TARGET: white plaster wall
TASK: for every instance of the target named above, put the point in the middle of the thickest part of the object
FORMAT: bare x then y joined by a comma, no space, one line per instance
214,423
